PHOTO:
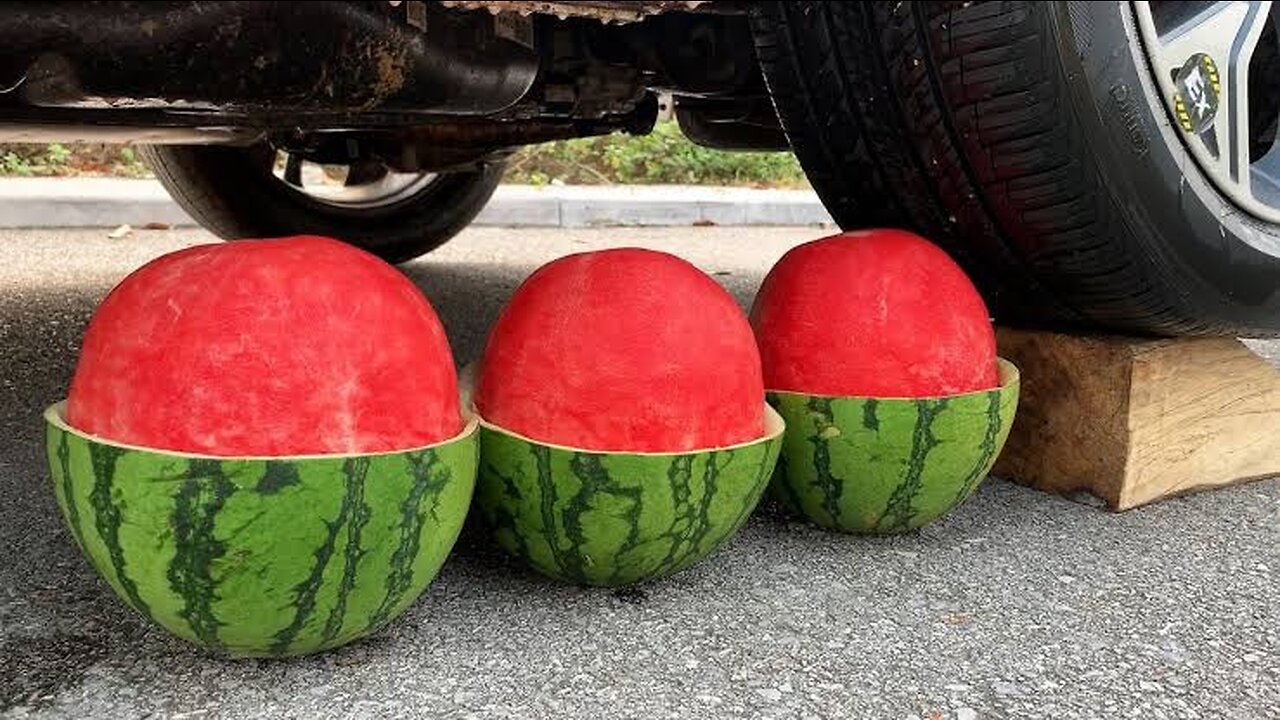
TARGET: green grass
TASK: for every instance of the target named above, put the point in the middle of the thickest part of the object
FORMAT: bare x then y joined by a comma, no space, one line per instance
56,159
662,157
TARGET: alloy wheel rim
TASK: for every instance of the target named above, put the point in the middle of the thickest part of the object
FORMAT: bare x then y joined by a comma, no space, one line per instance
356,186
1209,61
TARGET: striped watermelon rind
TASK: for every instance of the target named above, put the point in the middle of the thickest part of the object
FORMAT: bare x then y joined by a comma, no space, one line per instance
617,518
887,465
263,556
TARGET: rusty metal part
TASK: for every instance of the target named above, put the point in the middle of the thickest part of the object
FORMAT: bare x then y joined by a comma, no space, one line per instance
620,11
527,132
257,58
448,145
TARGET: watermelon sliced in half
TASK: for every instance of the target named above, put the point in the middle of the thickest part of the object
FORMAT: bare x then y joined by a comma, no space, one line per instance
624,428
263,556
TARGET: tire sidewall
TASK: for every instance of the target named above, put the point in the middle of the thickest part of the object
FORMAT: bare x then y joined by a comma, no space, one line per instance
230,191
397,232
1168,203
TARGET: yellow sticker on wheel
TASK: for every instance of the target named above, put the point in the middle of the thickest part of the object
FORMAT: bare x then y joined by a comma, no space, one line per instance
1196,90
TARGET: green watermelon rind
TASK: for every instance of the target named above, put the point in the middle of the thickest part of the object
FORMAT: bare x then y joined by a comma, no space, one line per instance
261,557
617,518
888,465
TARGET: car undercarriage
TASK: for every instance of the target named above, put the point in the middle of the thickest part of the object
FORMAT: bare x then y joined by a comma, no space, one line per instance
419,86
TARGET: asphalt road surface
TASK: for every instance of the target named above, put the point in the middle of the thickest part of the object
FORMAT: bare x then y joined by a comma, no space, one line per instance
1019,604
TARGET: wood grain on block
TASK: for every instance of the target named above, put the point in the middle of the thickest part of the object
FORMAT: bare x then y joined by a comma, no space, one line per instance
1132,421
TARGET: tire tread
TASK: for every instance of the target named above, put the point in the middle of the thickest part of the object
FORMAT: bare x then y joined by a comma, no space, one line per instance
963,130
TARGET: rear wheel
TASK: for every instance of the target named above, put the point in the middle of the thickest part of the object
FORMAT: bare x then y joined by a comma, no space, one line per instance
1042,145
258,192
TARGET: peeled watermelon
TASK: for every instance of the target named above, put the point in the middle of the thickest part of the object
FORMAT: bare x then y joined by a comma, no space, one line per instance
623,350
874,313
292,346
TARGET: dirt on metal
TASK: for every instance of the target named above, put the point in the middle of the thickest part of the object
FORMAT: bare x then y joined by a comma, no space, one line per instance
605,10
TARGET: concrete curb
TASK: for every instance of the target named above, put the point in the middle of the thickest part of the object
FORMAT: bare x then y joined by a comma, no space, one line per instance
110,202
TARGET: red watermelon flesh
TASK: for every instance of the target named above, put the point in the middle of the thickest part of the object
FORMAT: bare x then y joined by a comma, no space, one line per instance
875,313
623,350
291,346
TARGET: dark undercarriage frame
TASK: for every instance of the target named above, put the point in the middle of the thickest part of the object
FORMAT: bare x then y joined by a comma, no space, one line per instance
420,86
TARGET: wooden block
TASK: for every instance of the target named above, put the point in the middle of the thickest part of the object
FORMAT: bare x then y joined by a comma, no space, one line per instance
1134,420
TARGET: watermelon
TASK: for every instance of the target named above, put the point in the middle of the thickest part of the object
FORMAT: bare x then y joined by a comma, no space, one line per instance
262,556
873,313
290,346
886,465
623,350
602,518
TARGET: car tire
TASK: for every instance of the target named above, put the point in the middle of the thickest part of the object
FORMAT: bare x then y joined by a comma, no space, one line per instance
1031,141
232,192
